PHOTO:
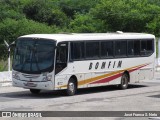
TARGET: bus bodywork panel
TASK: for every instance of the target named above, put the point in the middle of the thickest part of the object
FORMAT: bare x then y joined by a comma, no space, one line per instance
88,72
140,69
32,81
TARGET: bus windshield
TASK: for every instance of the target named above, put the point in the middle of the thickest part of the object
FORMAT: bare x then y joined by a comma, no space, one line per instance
34,56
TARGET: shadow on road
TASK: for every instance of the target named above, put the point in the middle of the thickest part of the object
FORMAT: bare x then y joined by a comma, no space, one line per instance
155,96
61,93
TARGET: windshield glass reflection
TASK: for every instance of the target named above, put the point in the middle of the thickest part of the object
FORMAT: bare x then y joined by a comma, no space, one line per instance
34,56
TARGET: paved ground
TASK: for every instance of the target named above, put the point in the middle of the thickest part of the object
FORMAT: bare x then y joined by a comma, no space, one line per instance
139,97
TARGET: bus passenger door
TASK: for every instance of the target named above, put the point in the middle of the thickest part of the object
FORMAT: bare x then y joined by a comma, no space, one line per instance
61,57
61,64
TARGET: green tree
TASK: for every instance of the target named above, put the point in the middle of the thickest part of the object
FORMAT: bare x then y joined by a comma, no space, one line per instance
154,26
126,15
11,29
8,10
86,24
72,7
45,12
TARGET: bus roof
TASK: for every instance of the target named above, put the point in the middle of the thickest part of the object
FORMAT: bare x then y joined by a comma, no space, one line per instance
90,36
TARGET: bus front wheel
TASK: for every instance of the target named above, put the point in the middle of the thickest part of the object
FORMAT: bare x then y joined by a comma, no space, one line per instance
35,91
124,81
71,87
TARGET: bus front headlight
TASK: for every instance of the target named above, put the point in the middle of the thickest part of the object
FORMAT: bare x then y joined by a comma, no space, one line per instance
15,76
47,78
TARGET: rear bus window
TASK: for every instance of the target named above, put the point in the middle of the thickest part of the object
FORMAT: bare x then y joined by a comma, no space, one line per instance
146,47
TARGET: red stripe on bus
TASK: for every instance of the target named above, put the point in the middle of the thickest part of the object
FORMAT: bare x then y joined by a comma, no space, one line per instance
108,79
137,68
104,80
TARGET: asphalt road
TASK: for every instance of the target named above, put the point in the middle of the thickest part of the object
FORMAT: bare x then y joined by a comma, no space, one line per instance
143,96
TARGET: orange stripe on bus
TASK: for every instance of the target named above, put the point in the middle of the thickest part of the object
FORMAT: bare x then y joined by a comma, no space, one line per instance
91,80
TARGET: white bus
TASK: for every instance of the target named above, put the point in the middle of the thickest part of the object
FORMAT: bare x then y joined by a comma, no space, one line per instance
72,61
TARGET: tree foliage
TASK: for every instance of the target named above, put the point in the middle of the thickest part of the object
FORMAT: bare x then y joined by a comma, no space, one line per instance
20,17
86,24
126,15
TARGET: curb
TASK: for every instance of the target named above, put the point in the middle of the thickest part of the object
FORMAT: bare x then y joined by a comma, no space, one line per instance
6,84
6,79
158,69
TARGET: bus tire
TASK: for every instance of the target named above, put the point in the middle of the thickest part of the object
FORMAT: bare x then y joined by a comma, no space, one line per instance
124,81
71,87
35,91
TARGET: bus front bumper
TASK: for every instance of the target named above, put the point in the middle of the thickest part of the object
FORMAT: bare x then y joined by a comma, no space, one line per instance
48,85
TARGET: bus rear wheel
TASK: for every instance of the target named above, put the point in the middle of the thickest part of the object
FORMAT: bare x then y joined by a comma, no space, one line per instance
35,91
124,81
71,87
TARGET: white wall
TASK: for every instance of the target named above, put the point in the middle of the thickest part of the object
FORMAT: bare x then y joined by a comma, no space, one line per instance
5,76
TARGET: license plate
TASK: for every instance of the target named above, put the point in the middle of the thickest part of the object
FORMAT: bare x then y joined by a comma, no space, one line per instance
30,84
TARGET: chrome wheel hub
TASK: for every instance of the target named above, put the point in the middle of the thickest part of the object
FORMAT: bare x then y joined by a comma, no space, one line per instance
71,87
124,80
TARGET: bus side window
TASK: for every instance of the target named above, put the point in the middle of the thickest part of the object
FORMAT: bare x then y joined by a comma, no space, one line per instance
131,48
150,47
92,50
61,57
121,48
143,47
106,49
77,50
136,47
146,47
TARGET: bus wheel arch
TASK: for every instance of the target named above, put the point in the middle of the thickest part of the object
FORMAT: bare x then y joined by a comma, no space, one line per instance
126,72
125,79
72,86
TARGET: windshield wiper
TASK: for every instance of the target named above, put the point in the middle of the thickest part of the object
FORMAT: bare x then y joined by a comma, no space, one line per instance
36,60
25,58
